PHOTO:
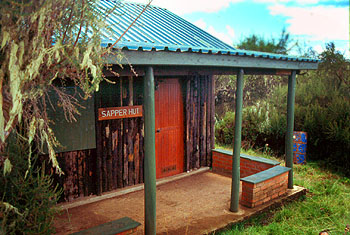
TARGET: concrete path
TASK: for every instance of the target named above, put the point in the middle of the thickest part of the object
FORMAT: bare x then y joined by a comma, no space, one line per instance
193,205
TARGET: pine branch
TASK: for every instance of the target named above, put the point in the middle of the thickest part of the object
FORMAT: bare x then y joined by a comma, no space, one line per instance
81,24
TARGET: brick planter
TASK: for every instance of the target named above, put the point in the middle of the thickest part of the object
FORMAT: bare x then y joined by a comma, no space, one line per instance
264,186
262,179
249,165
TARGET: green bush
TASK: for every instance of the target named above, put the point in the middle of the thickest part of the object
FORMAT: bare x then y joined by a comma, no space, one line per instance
28,198
324,113
261,125
224,129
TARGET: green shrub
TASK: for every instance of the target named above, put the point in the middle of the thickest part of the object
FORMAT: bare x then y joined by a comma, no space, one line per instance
224,129
261,125
28,198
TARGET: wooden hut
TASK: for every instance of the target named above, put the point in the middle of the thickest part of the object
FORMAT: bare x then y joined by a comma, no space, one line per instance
167,74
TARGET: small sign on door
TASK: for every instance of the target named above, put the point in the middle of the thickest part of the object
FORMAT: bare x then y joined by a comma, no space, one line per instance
119,112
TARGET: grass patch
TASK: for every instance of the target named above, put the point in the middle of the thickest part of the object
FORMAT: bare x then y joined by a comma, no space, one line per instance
326,206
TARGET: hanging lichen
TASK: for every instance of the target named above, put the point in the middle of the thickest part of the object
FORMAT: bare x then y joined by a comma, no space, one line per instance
45,44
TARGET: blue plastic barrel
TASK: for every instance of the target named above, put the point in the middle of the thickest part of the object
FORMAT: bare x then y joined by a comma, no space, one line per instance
299,147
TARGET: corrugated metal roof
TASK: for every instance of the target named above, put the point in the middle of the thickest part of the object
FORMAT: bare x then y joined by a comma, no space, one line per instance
160,30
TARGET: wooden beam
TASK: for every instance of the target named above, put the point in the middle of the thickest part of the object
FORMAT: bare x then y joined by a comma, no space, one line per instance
177,71
155,58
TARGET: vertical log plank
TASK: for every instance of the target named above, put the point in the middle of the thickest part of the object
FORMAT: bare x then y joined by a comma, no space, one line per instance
120,140
197,116
208,129
71,185
125,147
137,158
108,151
142,152
86,172
92,171
130,135
188,123
212,112
80,156
202,135
192,104
115,154
99,145
105,132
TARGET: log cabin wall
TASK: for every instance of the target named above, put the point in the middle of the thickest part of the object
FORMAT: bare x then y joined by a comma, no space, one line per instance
80,173
199,121
117,161
119,145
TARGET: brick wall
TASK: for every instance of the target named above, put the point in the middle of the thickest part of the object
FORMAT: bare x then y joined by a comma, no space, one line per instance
222,163
262,179
257,194
249,165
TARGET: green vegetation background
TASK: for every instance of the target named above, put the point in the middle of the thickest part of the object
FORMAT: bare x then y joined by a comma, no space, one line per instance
322,109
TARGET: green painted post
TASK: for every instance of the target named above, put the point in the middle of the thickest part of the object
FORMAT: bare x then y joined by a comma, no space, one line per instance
234,206
150,153
290,126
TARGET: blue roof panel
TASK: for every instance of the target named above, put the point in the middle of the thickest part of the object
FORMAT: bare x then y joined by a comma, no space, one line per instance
160,30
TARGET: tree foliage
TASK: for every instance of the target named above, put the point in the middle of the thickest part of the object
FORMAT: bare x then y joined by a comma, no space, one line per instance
335,66
257,87
259,43
45,44
29,196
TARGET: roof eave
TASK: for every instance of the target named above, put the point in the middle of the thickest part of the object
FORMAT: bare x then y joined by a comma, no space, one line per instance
164,58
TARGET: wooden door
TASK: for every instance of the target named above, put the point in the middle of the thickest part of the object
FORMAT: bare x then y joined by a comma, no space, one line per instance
169,128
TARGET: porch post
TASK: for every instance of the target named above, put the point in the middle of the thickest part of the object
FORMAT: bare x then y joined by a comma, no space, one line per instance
234,206
290,126
150,153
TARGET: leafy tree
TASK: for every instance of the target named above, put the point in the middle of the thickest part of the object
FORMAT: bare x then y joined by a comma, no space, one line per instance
256,87
45,45
335,66
259,43
29,196
42,41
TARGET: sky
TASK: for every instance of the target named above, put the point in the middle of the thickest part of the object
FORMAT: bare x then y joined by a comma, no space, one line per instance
311,23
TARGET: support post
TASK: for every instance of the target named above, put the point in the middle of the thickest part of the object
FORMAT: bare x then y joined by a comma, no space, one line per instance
290,126
234,206
150,153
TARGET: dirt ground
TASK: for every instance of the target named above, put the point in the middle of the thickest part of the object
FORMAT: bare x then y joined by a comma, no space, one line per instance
194,205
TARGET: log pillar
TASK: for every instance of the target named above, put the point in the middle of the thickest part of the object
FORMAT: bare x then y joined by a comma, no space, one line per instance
290,126
150,153
234,206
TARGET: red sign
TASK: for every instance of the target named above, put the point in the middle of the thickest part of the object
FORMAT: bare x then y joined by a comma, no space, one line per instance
119,112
